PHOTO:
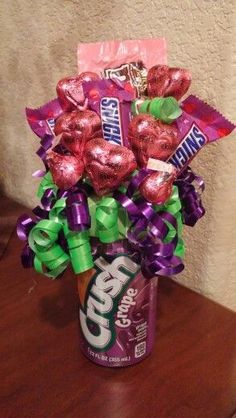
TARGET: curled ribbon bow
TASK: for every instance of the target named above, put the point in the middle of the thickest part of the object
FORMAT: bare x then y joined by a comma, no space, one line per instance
72,227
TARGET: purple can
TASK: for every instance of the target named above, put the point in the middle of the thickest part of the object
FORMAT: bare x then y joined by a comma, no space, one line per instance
117,312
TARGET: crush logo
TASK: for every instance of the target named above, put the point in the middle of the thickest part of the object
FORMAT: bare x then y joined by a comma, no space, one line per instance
106,289
111,123
191,144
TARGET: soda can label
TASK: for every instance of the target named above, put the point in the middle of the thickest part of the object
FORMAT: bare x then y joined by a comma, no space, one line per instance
117,312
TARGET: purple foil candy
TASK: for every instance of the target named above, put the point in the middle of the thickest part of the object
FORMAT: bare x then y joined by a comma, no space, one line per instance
42,120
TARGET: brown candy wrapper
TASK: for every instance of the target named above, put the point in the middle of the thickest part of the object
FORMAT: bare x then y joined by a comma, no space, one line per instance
134,72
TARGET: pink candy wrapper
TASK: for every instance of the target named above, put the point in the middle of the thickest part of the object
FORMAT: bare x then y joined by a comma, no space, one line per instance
109,54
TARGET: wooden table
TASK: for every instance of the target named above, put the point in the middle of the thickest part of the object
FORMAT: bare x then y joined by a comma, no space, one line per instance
191,373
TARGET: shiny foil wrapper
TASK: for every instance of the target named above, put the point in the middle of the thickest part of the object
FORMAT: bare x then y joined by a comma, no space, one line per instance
107,165
157,187
163,81
66,170
77,128
151,138
70,91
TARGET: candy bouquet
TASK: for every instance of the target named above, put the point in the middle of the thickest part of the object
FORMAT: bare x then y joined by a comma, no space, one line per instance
117,188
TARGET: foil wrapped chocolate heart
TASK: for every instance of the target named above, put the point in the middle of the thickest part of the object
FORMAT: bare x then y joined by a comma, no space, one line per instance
157,187
163,81
70,91
66,170
74,141
65,122
78,127
107,165
150,138
86,121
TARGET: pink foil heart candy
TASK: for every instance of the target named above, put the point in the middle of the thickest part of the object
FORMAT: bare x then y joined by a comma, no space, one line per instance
150,138
70,91
65,123
86,121
107,165
66,169
78,127
74,141
163,81
157,187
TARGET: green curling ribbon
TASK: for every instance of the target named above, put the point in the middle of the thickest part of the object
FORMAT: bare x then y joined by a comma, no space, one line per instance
166,109
110,223
107,220
49,254
79,249
173,206
57,213
78,242
46,183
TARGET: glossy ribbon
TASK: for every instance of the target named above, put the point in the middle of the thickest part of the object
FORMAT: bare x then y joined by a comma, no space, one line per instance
155,230
166,109
124,222
190,188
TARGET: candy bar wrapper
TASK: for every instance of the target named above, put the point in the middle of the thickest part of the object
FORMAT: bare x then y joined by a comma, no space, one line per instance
199,125
42,120
125,60
117,312
111,54
111,99
133,72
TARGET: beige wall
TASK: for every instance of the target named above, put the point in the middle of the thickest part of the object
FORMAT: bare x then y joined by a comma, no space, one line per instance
38,47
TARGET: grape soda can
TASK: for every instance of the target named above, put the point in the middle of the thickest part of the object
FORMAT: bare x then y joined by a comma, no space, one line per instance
117,312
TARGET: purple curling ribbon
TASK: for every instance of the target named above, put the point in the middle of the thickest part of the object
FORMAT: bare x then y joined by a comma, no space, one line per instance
77,212
40,213
48,199
23,227
27,257
147,235
148,231
192,208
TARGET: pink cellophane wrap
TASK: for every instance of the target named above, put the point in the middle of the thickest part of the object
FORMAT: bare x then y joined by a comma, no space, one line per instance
99,55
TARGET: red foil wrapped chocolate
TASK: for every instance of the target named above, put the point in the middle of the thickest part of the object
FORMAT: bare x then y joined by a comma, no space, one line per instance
78,127
70,91
157,186
66,169
163,81
150,138
107,165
